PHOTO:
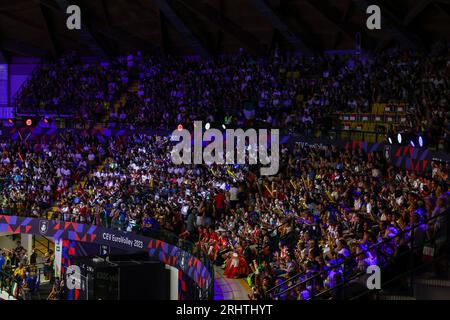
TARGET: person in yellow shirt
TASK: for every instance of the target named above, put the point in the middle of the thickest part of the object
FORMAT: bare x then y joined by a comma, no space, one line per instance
20,271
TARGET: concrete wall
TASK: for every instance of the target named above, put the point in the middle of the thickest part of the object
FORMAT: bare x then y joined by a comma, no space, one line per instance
6,241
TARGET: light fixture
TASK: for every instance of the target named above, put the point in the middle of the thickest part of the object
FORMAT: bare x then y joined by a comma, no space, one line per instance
390,140
207,126
180,127
420,141
399,138
413,144
29,122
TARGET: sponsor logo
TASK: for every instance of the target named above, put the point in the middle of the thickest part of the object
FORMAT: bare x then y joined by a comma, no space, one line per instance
43,227
73,277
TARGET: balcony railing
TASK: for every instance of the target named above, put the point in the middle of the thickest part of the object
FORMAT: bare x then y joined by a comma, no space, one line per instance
349,281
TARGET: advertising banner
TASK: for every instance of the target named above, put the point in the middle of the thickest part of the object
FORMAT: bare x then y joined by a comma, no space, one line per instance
165,252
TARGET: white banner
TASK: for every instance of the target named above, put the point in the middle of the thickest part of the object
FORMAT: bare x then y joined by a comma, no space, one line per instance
58,257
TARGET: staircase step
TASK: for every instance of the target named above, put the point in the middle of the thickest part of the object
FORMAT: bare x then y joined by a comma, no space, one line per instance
396,297
432,282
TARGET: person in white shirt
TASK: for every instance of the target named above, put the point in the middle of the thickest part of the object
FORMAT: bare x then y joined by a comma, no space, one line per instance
233,194
358,203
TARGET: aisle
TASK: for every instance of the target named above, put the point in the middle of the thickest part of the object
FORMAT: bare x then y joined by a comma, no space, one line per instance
229,289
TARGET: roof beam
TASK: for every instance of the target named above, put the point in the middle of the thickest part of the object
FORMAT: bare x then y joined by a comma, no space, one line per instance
164,39
348,7
121,35
110,32
13,45
293,38
391,25
215,17
31,25
181,27
415,11
85,34
106,13
324,13
443,9
48,28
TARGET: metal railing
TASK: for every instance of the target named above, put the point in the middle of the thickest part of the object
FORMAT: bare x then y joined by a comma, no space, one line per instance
8,284
13,287
348,274
278,236
45,244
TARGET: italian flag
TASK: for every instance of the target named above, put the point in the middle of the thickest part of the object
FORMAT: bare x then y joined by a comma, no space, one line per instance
15,290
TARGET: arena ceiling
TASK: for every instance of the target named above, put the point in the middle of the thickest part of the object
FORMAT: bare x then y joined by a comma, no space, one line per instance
208,27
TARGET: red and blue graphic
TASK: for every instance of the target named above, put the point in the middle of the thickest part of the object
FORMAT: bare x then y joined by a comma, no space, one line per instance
71,231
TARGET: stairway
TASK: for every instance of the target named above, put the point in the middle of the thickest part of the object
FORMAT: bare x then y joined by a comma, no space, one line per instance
56,204
75,189
431,289
133,88
395,297
42,244
425,286
424,289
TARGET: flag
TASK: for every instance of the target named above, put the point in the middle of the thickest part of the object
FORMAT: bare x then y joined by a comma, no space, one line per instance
15,289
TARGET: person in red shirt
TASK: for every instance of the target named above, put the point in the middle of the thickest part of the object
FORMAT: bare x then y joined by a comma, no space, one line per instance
219,204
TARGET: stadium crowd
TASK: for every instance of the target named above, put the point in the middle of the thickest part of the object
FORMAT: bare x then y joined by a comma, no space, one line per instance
18,272
324,204
36,174
285,91
69,86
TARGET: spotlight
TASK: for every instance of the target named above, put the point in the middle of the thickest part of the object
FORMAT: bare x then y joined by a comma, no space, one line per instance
223,126
180,127
29,122
390,140
207,126
413,144
45,120
420,141
10,121
399,138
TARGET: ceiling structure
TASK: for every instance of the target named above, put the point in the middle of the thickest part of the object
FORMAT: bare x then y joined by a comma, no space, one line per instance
208,27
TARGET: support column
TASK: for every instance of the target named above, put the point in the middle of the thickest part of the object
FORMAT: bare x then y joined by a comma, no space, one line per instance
173,282
26,240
